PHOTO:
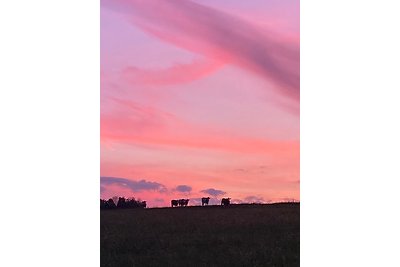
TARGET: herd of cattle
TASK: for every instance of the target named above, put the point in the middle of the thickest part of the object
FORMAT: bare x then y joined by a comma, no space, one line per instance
125,203
204,201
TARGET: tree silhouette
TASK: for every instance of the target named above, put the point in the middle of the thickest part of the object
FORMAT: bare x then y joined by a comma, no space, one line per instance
122,203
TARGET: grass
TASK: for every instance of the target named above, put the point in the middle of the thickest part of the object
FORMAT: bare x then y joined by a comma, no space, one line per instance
238,235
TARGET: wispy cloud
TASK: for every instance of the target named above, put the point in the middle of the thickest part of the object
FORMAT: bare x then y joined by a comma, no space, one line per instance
219,36
146,125
176,74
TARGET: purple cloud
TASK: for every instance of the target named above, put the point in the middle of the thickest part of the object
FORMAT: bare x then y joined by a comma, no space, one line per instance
135,186
183,188
213,192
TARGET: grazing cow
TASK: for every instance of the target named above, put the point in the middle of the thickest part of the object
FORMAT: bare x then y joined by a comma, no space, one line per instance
225,201
174,203
205,200
183,202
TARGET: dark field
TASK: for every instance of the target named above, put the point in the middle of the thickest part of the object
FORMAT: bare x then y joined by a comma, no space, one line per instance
238,235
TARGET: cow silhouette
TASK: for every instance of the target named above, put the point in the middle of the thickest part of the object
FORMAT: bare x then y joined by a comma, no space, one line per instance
174,203
204,201
183,202
225,201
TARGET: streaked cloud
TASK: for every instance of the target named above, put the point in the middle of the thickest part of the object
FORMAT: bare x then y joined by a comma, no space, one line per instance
219,36
176,74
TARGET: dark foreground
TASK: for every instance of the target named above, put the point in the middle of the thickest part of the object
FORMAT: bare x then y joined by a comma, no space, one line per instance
238,235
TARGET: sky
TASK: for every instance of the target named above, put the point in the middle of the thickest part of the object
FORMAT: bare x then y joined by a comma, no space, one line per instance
200,98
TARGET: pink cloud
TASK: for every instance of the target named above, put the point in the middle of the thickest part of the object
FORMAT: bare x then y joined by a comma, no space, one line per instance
219,36
177,74
146,126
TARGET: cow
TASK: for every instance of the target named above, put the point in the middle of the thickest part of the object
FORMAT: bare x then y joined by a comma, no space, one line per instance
183,202
205,200
225,201
174,203
143,204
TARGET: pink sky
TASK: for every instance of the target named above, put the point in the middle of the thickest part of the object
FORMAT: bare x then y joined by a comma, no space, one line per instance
200,98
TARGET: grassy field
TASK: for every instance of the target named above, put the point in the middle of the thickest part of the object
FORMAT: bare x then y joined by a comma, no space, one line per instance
238,235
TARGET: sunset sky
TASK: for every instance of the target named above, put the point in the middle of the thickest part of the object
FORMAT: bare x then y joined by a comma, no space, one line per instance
200,98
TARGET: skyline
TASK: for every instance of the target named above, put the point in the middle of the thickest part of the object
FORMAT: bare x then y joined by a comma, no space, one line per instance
197,97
